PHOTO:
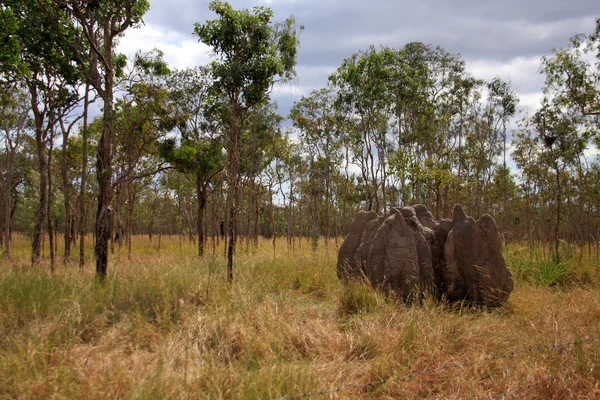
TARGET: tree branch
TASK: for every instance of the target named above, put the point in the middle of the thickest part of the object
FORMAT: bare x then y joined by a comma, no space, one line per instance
140,176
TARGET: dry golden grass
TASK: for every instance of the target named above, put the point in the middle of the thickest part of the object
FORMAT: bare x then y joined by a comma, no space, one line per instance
168,325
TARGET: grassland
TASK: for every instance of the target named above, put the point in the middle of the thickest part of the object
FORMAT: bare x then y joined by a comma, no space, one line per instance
167,325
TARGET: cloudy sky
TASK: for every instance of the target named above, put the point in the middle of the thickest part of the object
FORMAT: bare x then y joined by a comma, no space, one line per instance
495,38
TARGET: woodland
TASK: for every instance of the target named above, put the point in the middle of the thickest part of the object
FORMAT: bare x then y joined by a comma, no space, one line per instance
190,230
187,151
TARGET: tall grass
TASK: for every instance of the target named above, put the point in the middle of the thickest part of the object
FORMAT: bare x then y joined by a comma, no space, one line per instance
572,267
168,325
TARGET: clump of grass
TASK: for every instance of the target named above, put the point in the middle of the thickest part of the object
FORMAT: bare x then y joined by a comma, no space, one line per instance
359,297
553,271
542,267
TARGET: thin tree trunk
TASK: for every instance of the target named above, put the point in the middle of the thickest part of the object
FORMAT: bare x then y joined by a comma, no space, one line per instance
104,169
40,138
82,214
249,214
201,193
273,229
300,231
67,196
327,201
558,200
233,190
256,212
111,221
506,213
292,223
9,178
130,198
215,232
49,204
459,179
384,177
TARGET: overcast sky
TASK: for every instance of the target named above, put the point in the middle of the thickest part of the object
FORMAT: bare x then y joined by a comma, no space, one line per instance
496,38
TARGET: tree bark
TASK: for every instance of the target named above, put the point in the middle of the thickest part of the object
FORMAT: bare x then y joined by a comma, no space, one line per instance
104,168
558,200
40,141
66,194
51,238
256,219
233,189
82,215
129,222
9,178
201,193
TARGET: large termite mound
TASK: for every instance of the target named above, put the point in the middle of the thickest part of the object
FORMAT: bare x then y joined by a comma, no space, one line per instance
408,252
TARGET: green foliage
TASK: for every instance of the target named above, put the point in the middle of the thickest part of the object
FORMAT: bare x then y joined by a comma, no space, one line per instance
151,63
553,271
362,80
359,298
261,140
504,97
42,51
142,114
573,81
10,47
193,113
543,268
202,158
198,151
315,235
319,123
250,51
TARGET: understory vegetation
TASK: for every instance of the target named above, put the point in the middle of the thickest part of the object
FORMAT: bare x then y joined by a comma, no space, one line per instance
168,325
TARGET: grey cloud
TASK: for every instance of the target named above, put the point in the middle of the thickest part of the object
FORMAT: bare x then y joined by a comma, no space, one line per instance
493,33
335,29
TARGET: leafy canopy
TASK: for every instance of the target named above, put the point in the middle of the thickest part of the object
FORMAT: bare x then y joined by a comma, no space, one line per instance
249,51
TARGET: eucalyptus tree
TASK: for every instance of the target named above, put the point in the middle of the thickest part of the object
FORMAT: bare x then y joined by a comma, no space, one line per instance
179,189
410,82
71,156
564,145
479,153
570,115
100,24
197,149
362,82
84,172
203,160
502,106
260,144
412,108
319,123
573,79
250,54
277,176
45,67
441,156
142,116
503,101
14,122
550,143
291,161
457,102
67,118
